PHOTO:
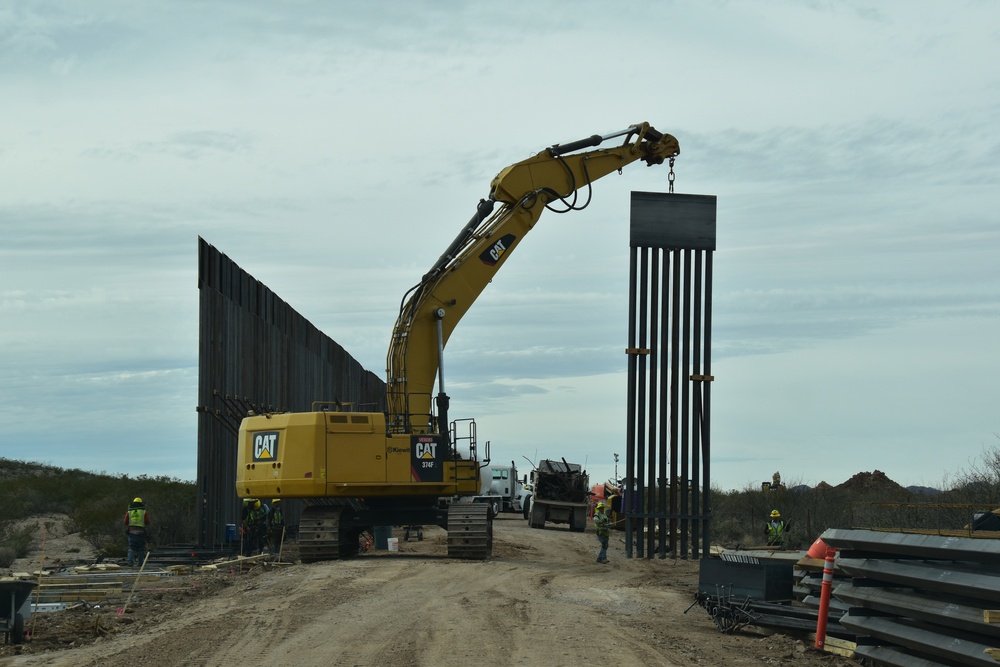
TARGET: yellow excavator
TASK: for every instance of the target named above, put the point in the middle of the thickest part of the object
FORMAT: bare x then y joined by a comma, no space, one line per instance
356,470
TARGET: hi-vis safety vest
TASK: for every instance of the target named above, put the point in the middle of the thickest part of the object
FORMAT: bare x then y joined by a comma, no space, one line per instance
137,518
775,531
602,524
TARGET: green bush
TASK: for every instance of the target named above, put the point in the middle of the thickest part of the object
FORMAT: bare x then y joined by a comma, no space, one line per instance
17,540
7,556
99,521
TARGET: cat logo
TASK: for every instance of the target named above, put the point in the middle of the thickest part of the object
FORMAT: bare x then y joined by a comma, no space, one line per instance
265,446
426,450
494,253
425,466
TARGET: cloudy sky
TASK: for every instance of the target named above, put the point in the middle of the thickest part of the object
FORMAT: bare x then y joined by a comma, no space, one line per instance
334,149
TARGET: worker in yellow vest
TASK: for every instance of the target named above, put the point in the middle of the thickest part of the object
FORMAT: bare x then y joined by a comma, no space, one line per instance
602,526
775,529
136,524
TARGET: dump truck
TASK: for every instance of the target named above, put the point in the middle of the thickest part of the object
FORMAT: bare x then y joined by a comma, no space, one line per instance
560,493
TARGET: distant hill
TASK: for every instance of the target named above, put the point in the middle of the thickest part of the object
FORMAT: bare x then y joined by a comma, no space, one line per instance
924,490
868,482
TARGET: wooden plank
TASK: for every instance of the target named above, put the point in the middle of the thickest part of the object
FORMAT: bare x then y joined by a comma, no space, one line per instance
841,647
835,645
238,560
991,615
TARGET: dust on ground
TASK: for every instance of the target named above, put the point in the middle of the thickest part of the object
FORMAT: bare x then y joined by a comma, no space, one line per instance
541,600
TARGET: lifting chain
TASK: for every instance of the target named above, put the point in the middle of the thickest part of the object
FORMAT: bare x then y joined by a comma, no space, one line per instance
671,176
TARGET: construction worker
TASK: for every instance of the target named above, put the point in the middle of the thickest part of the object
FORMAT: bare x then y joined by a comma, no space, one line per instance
774,530
275,526
245,526
254,526
265,520
136,523
602,526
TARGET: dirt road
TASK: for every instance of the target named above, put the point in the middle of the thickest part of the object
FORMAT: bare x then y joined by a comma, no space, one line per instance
542,600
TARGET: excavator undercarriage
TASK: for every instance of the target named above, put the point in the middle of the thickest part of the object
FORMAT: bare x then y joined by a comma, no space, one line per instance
330,532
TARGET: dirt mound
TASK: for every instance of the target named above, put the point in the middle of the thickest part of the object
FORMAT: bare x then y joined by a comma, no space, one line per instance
871,482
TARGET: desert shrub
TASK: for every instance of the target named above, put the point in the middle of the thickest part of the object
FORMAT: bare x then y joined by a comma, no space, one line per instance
18,540
729,532
7,556
99,521
171,506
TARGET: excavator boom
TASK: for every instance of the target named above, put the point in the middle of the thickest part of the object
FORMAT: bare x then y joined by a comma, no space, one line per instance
553,179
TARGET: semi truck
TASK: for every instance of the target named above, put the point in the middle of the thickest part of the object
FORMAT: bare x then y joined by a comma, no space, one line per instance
504,491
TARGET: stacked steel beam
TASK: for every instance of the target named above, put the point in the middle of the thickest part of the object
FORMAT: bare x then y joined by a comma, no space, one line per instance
919,599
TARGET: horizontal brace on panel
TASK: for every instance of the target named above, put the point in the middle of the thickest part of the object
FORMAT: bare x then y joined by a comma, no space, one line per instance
637,350
702,378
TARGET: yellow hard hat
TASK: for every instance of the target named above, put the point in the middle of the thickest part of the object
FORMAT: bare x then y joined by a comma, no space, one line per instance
775,514
275,500
137,500
601,505
256,504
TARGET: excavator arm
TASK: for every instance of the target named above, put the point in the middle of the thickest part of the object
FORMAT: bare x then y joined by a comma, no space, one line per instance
553,179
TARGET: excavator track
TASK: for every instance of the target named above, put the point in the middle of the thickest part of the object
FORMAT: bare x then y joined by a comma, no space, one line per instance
470,531
321,536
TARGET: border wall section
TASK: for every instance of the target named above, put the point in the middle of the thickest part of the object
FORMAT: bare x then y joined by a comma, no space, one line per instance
257,353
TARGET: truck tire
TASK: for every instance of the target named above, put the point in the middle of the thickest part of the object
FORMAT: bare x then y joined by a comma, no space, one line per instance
495,507
578,520
537,517
526,509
